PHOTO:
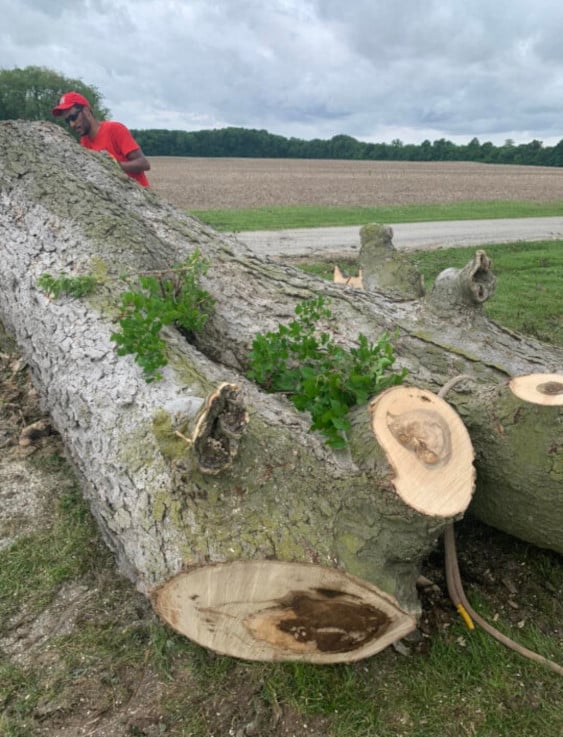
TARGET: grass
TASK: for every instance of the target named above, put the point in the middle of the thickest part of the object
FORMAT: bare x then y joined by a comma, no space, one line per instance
528,291
32,571
34,568
455,684
281,218
529,278
464,685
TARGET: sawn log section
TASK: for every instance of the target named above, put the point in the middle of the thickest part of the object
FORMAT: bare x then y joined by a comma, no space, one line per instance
275,496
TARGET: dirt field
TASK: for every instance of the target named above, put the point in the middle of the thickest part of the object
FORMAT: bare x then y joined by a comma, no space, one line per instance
201,184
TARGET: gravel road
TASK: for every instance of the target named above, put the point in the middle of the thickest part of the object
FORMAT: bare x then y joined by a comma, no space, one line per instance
323,242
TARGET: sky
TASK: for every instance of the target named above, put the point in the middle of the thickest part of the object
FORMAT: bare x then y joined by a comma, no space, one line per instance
377,70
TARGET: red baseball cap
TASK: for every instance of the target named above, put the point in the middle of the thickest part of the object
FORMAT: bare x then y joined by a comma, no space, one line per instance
68,100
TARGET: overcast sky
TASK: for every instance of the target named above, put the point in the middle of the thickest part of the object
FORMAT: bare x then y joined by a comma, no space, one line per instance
373,69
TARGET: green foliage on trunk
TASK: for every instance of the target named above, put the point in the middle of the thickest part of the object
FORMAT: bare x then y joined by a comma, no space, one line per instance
73,286
169,298
156,299
319,376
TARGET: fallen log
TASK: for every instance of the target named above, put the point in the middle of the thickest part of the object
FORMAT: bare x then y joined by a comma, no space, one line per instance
177,492
518,446
521,456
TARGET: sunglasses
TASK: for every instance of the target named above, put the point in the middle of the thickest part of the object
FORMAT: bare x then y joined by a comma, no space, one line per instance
71,118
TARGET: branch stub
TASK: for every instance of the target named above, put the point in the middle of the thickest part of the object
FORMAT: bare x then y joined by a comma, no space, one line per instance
544,389
428,447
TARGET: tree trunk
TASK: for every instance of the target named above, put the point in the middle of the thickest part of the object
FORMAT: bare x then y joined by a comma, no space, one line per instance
202,478
519,443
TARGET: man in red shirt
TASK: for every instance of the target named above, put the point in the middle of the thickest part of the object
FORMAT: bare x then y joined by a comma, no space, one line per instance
106,135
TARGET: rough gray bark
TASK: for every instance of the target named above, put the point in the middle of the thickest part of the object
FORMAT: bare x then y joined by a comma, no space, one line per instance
463,289
286,495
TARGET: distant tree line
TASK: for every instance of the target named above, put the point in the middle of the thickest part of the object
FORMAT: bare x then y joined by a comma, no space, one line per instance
31,93
243,142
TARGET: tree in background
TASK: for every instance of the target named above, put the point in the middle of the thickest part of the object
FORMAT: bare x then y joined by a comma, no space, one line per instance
32,92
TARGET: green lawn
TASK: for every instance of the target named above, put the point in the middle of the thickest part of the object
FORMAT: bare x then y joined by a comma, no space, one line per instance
281,218
529,292
528,295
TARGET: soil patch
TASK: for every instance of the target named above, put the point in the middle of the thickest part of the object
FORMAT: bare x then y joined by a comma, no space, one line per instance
221,183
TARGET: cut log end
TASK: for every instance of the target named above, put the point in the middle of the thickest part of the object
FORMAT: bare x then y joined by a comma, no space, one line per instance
218,428
275,611
545,389
428,447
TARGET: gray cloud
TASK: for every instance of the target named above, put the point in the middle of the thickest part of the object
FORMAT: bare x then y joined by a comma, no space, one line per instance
372,69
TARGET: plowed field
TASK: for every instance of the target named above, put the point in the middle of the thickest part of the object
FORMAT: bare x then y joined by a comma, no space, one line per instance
221,183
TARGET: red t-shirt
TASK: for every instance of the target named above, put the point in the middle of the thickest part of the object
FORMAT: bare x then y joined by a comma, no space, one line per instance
116,139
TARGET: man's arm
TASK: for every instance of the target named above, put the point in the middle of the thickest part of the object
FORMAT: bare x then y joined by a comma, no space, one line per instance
136,162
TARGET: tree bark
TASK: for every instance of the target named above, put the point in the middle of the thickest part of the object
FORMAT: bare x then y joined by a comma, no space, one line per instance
274,492
519,443
384,268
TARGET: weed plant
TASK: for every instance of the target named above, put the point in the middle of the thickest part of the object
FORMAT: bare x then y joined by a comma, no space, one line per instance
64,284
319,376
174,297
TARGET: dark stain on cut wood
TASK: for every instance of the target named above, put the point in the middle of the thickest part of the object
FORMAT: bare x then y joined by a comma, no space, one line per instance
424,433
334,621
551,388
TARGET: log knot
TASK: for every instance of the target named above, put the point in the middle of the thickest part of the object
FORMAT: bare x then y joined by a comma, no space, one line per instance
423,432
218,429
206,432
